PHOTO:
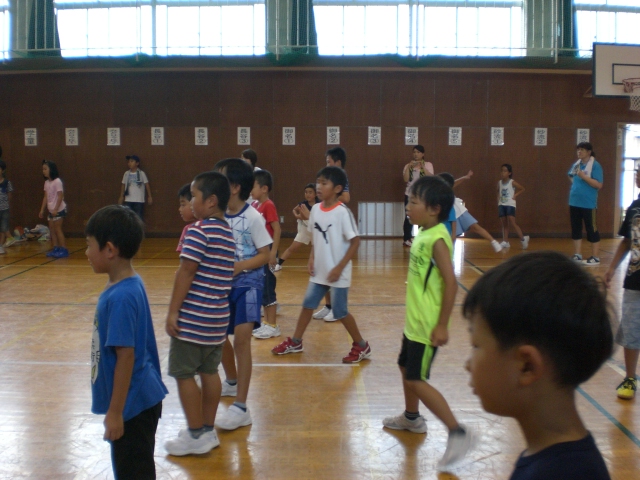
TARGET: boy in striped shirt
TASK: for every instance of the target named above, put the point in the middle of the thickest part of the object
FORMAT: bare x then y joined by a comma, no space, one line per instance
199,313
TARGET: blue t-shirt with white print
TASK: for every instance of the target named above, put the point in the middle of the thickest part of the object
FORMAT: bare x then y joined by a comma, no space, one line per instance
582,194
123,319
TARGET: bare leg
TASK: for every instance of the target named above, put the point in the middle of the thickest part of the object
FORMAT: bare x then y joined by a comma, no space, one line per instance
595,249
577,247
631,361
303,322
54,233
434,401
211,390
352,327
327,298
242,346
411,400
292,249
229,361
57,225
191,400
477,229
270,314
505,229
512,222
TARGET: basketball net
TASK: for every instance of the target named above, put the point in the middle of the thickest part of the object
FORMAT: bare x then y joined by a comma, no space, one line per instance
632,87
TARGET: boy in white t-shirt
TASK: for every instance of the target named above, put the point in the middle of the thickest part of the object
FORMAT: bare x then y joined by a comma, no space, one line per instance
335,241
134,184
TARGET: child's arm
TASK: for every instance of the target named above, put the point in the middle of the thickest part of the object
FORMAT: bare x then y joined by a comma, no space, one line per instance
277,231
453,232
44,205
336,271
458,181
121,198
184,277
310,263
519,189
621,252
149,198
592,182
60,197
113,421
254,262
440,334
296,212
304,212
344,197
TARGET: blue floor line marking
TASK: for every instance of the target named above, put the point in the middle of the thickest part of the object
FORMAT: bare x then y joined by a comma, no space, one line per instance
610,417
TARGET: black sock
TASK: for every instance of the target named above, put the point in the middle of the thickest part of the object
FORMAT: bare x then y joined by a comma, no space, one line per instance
458,431
328,305
411,415
232,382
196,432
208,428
280,261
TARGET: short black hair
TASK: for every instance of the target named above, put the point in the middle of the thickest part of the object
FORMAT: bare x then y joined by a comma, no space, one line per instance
53,169
250,155
238,172
586,146
434,191
338,154
3,165
185,192
119,225
420,148
214,183
335,175
263,177
310,185
448,178
547,300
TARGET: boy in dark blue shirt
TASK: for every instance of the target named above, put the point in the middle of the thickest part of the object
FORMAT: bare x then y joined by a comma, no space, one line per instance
126,383
539,328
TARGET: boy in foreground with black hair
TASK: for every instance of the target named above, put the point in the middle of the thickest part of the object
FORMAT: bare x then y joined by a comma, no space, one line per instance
540,327
252,243
198,314
431,292
335,242
126,383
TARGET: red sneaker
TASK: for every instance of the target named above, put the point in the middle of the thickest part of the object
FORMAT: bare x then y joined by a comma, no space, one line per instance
288,346
357,353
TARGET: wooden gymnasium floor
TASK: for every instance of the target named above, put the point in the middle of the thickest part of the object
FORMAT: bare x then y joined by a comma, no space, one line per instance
313,417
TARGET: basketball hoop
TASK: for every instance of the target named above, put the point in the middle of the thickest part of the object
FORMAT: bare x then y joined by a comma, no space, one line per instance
632,87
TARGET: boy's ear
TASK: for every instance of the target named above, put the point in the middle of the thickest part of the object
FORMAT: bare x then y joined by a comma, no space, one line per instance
235,188
212,201
341,187
112,250
531,364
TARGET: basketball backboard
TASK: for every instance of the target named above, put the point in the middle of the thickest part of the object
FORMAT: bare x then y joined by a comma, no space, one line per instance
613,62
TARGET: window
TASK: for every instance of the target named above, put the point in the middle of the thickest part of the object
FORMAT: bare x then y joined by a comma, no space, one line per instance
466,28
4,29
606,21
237,29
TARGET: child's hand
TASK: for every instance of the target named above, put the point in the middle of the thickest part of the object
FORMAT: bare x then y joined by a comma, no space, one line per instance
273,260
469,174
113,426
439,336
171,326
150,201
310,267
304,212
41,214
608,277
334,274
54,213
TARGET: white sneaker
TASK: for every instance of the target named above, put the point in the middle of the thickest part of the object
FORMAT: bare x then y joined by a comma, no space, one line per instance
496,246
234,418
419,425
329,317
229,390
505,244
525,242
320,314
185,444
458,445
267,331
277,268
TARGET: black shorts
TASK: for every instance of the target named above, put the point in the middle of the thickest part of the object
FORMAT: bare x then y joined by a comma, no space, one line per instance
588,216
132,454
416,358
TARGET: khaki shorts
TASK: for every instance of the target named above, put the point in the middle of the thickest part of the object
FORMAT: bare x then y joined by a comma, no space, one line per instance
304,235
186,359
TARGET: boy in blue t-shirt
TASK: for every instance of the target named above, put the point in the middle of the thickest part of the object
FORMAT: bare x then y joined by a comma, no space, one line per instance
198,314
126,383
252,241
539,328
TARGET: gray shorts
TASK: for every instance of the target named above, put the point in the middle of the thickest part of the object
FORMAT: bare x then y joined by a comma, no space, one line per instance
628,335
186,359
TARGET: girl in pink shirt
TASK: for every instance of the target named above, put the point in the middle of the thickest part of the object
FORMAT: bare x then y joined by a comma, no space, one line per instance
54,201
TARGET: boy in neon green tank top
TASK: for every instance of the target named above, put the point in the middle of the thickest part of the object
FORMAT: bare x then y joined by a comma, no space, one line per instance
431,291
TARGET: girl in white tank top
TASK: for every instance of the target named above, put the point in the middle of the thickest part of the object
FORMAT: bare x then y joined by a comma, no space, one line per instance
508,190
